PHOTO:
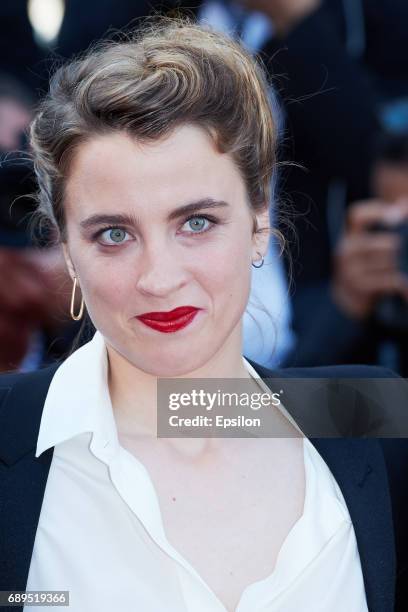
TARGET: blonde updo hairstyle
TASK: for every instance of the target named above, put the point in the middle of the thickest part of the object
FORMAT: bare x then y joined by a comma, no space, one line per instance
170,72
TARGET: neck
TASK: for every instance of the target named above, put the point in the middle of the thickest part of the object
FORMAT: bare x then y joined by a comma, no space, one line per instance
133,391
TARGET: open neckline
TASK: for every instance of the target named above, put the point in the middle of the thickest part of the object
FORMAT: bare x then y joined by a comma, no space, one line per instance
287,566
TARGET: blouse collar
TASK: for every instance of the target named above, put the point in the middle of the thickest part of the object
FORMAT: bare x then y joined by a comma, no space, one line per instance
78,399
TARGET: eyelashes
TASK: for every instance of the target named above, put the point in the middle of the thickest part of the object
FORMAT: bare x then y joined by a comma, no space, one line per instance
212,222
96,236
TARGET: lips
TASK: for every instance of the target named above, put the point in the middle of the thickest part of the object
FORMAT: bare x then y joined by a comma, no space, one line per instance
168,316
169,321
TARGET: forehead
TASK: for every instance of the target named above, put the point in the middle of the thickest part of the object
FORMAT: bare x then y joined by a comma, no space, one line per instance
117,169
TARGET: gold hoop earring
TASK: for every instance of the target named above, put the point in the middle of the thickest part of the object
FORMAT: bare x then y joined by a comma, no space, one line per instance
81,310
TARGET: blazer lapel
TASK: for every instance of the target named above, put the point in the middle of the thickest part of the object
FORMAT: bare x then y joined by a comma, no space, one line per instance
359,468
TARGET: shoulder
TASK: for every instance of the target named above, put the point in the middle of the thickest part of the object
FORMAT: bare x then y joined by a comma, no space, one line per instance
337,371
329,371
31,382
363,401
344,401
9,379
22,397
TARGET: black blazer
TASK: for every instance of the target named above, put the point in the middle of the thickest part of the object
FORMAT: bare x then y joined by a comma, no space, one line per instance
372,475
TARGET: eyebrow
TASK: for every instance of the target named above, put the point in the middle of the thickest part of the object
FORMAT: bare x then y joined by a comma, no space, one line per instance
126,219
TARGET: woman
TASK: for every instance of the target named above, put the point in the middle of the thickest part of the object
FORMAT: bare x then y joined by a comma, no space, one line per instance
154,158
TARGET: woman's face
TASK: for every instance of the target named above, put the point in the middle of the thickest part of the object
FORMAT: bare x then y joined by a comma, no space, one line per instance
154,227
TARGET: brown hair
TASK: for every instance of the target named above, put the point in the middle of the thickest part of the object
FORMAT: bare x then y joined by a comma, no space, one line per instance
171,72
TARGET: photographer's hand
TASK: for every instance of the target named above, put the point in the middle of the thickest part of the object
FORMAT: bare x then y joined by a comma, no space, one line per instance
365,264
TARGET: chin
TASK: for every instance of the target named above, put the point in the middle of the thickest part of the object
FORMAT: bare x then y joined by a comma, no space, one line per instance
170,367
173,362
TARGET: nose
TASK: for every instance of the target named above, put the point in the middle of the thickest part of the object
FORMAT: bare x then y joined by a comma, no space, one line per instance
161,273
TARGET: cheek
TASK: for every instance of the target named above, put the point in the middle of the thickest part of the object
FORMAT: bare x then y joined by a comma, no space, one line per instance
106,283
225,273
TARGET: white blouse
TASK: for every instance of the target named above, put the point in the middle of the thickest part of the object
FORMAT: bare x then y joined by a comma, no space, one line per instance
100,534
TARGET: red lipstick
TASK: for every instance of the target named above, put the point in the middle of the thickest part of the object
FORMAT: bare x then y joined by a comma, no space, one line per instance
171,321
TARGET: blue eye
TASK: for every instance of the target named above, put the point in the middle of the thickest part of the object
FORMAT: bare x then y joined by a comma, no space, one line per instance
198,224
115,234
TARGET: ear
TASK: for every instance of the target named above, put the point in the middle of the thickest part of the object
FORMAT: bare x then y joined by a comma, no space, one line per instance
260,238
68,261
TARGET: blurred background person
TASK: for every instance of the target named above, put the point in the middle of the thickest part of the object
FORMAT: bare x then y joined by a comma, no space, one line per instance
367,298
340,69
34,296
